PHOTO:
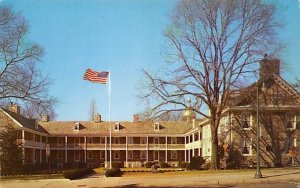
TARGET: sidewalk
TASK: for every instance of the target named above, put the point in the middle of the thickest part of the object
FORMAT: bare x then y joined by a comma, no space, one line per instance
219,178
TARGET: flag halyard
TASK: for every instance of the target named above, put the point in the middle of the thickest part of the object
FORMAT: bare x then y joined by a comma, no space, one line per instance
96,77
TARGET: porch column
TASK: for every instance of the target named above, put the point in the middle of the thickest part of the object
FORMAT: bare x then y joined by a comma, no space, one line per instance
193,152
84,149
41,149
126,151
185,149
105,151
23,148
147,151
66,149
47,142
33,149
166,159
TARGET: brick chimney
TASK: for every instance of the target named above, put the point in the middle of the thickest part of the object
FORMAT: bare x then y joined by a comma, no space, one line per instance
136,118
269,66
97,118
45,118
14,108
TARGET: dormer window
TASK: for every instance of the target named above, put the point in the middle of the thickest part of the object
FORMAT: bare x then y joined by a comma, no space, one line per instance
117,127
156,126
76,126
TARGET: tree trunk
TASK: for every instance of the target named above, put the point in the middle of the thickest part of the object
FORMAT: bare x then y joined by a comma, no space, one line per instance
215,162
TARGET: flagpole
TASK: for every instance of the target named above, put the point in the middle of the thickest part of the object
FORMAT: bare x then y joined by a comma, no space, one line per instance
109,116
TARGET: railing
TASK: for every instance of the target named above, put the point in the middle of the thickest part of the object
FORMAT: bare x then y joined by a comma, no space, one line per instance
96,145
176,146
157,146
29,143
137,146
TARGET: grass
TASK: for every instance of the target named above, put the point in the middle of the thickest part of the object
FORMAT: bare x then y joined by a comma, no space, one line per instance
33,177
136,172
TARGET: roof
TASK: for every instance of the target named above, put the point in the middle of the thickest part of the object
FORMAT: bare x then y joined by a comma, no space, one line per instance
66,128
25,122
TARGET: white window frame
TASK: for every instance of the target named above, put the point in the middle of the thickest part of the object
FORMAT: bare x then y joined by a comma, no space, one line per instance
293,119
117,126
246,143
156,126
77,144
249,120
76,126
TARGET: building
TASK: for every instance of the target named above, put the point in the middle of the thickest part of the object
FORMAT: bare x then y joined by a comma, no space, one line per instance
87,143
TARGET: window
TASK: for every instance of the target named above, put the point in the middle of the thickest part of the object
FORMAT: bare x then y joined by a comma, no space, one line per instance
116,154
246,122
90,154
173,154
196,136
117,127
173,140
130,154
102,154
143,154
76,126
59,154
246,147
291,122
77,142
130,140
102,140
143,140
76,156
156,126
89,140
60,141
117,140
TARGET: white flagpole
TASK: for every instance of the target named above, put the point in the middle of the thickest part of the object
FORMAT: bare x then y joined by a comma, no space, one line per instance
109,114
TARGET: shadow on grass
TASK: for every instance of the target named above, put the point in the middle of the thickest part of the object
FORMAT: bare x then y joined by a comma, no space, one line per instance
136,185
283,174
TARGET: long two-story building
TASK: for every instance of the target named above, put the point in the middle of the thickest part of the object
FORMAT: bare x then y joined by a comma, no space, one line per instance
75,143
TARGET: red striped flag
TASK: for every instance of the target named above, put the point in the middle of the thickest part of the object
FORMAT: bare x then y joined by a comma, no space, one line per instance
97,77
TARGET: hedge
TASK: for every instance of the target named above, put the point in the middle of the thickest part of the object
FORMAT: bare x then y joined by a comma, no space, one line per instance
115,172
77,173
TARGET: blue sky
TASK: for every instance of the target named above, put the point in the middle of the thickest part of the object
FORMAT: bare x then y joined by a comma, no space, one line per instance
121,36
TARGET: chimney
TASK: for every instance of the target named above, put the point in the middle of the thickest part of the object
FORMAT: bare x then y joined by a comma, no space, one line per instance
97,118
45,118
14,108
269,66
136,118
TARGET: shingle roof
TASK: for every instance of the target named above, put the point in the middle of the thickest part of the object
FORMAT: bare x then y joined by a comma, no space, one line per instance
129,128
25,122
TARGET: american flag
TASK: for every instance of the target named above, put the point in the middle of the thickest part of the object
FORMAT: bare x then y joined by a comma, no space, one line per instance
94,76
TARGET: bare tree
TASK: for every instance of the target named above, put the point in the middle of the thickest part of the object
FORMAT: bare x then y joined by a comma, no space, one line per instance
92,110
212,45
20,79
